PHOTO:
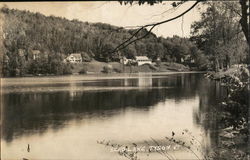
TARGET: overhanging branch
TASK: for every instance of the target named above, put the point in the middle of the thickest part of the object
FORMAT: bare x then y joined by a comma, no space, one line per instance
152,26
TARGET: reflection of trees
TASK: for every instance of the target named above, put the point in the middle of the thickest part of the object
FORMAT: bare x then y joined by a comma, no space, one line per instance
211,93
26,113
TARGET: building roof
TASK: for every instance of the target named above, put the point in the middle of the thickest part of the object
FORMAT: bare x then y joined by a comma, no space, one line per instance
141,58
35,52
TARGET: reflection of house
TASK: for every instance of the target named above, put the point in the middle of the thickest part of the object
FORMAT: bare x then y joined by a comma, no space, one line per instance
145,81
74,58
128,82
141,81
72,89
142,60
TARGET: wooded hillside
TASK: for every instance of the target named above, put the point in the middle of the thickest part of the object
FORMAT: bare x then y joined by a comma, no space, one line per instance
54,35
25,33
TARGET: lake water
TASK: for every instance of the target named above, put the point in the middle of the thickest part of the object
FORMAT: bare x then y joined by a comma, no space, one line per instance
64,117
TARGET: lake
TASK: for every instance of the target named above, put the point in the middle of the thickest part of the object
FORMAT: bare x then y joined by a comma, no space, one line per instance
81,116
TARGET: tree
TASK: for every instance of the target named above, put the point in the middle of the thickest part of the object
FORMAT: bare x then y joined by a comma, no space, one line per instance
3,57
218,34
244,19
133,38
34,31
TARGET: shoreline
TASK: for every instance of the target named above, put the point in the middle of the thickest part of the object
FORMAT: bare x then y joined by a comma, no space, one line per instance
29,84
95,75
232,138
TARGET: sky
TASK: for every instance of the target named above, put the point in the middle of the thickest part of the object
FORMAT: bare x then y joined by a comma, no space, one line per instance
112,12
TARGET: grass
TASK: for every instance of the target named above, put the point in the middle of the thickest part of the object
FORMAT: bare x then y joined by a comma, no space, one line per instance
222,73
97,67
164,147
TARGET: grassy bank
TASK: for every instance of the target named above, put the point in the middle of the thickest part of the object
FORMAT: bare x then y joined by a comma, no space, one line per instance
115,67
233,115
223,73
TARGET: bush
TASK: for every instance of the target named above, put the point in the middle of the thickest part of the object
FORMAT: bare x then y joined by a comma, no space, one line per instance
158,63
86,57
107,69
152,67
67,69
117,70
83,71
176,67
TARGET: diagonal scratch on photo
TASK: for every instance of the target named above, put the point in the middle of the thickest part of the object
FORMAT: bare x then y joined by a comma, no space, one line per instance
124,80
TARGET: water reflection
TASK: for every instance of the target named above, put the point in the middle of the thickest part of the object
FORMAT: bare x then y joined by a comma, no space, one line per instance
174,101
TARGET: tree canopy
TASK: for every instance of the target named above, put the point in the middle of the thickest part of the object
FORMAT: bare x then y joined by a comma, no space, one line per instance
219,34
58,37
217,39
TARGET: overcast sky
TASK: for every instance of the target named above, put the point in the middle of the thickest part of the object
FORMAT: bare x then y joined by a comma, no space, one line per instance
118,15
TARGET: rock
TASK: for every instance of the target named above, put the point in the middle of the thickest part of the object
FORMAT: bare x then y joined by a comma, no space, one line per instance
228,128
227,135
228,143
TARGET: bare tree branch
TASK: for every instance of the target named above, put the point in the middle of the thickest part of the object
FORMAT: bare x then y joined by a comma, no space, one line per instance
139,38
165,21
152,26
166,11
130,37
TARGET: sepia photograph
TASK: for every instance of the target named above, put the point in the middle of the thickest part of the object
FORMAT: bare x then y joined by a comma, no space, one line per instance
125,80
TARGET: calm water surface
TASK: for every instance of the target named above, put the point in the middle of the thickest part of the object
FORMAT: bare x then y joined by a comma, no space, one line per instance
64,117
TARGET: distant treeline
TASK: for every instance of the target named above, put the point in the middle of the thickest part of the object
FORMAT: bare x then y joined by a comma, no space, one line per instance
55,37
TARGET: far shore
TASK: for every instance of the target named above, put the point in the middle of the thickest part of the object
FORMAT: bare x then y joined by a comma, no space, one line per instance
60,83
12,81
113,68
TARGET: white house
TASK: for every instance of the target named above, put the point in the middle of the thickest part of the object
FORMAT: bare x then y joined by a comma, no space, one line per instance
36,54
142,60
74,58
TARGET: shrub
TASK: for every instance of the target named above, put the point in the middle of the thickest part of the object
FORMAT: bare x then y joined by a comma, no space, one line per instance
152,67
107,69
117,70
86,57
83,71
158,63
67,69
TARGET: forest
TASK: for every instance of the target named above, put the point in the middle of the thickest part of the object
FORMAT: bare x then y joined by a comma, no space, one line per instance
215,43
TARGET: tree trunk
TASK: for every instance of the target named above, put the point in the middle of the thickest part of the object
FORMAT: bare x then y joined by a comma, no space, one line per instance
244,19
216,65
228,62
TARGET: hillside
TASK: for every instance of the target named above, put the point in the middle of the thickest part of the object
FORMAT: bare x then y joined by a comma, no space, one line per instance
57,37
